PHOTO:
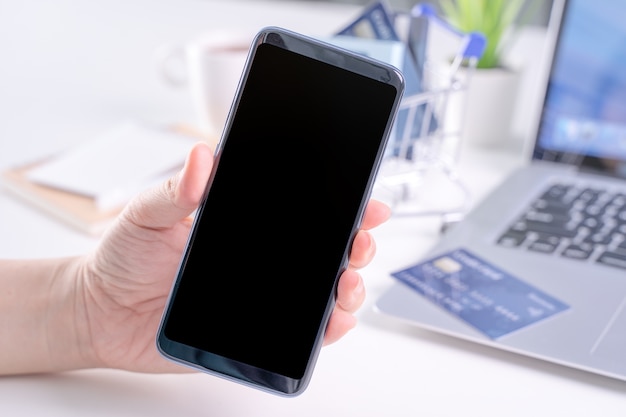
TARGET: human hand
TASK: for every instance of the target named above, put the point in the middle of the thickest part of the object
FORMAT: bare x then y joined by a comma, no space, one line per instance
125,282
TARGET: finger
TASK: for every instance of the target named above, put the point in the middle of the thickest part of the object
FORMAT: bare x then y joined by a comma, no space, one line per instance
363,249
340,323
350,291
176,198
350,297
194,176
376,213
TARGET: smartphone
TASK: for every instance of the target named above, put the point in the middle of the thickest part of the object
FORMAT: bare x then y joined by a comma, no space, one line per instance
292,176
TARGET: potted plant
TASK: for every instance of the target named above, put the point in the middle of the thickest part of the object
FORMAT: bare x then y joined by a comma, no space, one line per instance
493,87
495,19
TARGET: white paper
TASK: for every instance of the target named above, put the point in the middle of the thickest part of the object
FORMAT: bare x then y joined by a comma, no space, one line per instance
114,166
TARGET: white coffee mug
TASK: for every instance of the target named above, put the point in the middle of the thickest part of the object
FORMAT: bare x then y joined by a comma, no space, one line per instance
210,66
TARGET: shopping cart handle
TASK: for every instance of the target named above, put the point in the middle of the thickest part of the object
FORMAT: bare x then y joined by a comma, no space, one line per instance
474,43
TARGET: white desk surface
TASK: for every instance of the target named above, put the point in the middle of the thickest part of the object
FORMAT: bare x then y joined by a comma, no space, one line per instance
71,69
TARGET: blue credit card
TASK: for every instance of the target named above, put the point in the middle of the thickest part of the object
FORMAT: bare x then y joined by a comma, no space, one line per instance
375,22
479,293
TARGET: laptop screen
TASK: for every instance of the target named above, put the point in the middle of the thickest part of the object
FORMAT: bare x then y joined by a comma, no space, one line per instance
583,119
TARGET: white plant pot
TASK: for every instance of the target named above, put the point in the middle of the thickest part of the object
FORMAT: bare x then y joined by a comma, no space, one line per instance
483,113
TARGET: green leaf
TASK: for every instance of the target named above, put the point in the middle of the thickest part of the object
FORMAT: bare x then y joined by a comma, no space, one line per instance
493,18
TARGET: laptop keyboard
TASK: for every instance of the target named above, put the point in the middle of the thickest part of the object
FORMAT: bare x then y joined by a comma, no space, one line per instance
573,221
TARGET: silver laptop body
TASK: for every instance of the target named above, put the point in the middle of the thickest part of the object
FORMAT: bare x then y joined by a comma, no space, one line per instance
581,141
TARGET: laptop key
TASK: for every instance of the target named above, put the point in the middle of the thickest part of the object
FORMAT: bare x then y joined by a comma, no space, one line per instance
545,246
581,251
555,229
512,238
612,259
544,216
599,238
551,206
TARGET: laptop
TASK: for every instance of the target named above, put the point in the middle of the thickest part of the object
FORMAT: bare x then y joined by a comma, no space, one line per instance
538,267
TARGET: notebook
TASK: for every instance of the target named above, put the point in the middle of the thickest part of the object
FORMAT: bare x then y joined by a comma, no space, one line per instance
538,267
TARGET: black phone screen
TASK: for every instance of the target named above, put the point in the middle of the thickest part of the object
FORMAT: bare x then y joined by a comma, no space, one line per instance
273,234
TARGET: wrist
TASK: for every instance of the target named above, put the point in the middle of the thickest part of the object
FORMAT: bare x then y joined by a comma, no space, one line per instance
41,316
68,333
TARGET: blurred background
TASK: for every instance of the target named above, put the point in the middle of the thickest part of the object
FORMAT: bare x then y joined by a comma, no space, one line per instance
540,18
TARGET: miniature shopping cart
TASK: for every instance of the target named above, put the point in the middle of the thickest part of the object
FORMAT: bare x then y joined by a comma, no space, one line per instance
418,175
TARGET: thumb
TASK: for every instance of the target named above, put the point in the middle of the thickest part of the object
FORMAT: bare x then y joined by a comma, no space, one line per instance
176,198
